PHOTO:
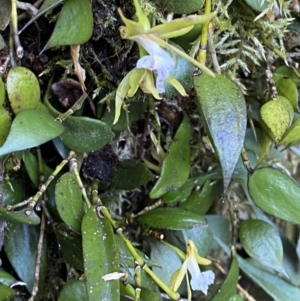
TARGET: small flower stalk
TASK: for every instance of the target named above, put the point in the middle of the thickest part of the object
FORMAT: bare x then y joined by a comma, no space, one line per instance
196,280
157,57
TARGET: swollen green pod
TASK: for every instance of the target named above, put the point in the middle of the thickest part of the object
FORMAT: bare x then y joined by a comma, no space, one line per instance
100,257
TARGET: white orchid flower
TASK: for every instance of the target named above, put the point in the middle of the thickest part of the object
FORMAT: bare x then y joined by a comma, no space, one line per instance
200,281
158,60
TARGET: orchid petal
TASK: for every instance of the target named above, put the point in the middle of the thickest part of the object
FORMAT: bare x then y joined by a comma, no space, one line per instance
179,275
121,93
177,85
147,85
199,281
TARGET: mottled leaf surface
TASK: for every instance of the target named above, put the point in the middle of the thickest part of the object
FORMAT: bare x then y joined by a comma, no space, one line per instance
223,108
69,200
23,89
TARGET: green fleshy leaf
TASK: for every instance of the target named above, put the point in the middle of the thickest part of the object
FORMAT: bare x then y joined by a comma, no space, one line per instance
228,288
19,216
6,293
176,166
84,134
289,72
74,25
275,193
30,128
171,218
287,88
20,243
223,107
182,193
292,135
262,242
32,168
69,201
200,200
70,246
73,290
100,257
2,92
23,89
5,124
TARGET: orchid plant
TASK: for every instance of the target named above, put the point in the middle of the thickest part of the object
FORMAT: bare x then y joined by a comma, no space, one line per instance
156,55
199,280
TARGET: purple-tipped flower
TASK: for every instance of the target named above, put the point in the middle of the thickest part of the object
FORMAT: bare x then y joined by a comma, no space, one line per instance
159,61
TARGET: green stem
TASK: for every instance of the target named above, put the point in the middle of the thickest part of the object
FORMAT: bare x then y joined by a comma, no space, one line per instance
172,294
204,33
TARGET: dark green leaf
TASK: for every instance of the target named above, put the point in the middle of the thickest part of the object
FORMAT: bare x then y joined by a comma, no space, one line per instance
181,194
228,288
275,193
73,290
19,216
176,166
30,128
74,25
285,71
70,245
200,200
23,89
223,107
32,168
69,201
93,134
13,193
100,257
130,174
262,242
171,218
20,243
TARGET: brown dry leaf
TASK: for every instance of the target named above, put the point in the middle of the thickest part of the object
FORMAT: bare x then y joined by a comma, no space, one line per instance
79,71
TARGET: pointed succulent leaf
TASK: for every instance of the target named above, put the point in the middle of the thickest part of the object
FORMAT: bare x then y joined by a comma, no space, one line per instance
30,128
74,25
223,107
